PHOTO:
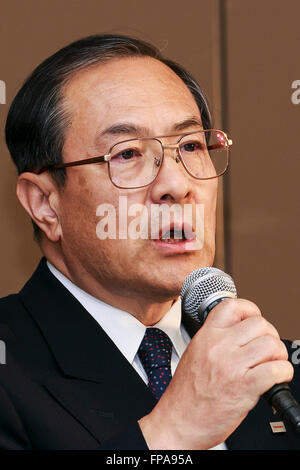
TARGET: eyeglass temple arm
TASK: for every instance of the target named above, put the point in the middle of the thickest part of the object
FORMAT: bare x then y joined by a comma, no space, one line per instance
78,163
220,145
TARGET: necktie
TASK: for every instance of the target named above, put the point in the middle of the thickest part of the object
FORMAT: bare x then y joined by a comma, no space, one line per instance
155,355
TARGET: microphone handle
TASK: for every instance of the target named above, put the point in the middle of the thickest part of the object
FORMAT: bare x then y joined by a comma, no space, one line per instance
281,399
279,396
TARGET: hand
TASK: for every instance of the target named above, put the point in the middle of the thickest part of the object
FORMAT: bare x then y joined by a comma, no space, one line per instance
232,360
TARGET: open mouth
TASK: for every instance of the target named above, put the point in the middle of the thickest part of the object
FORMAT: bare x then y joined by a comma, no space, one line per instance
171,236
176,235
177,239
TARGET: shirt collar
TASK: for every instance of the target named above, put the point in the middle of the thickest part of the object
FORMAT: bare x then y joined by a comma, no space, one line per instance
124,329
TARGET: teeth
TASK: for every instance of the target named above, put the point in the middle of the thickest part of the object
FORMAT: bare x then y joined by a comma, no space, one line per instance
178,234
167,235
173,234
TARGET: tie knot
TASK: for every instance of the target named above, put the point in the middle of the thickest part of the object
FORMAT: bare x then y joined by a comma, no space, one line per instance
155,349
155,353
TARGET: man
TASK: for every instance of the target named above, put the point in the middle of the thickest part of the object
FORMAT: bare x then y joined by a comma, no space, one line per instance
78,352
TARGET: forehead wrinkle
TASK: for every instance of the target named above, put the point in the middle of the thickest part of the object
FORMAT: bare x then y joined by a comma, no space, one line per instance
130,129
98,85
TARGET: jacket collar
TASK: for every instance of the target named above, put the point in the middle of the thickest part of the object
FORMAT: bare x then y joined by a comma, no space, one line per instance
80,346
78,343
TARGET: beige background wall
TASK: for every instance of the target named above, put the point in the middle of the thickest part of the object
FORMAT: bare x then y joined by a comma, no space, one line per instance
263,193
245,55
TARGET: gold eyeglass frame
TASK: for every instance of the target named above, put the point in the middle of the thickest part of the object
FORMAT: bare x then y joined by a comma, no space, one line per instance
106,158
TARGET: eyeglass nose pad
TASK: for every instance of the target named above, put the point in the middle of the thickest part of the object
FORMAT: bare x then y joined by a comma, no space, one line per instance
157,161
174,147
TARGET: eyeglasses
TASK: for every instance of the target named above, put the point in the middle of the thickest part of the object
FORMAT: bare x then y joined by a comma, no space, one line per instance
135,163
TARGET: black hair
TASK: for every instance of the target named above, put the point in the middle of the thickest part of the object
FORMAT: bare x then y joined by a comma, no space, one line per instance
37,117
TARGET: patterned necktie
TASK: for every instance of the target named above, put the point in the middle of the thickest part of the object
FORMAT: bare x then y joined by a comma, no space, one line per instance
155,355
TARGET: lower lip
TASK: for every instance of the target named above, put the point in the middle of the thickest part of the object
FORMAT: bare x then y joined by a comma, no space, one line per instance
180,246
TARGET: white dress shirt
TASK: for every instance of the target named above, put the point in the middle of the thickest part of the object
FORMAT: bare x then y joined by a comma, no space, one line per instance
126,331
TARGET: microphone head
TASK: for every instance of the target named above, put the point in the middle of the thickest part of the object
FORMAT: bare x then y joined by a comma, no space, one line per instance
204,288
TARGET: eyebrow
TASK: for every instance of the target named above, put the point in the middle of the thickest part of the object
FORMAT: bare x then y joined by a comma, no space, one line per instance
186,123
129,129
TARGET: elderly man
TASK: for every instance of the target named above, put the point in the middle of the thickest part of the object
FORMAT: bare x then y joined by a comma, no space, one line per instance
104,118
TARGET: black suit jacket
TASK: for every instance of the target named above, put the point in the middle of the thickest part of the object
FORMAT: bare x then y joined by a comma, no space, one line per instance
65,385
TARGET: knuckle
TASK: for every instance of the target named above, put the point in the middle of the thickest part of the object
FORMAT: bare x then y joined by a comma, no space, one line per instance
290,371
275,369
284,351
274,347
264,327
261,323
224,310
227,304
271,343
230,301
282,371
250,306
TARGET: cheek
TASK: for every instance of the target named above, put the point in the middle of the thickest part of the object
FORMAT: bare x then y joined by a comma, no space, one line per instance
78,212
210,206
91,207
86,188
207,196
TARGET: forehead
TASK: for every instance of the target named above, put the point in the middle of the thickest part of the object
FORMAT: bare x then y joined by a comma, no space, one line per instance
133,89
126,71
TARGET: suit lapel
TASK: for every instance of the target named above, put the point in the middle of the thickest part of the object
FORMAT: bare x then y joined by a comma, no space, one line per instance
103,409
98,386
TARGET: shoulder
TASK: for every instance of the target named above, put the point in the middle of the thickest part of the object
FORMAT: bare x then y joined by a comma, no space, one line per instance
11,312
8,303
10,306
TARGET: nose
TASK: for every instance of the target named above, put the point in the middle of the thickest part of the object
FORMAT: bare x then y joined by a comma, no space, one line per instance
174,154
172,183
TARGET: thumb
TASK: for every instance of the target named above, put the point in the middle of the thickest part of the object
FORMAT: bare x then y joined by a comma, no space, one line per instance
231,311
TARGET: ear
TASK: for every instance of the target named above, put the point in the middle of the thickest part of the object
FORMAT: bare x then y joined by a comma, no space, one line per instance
38,195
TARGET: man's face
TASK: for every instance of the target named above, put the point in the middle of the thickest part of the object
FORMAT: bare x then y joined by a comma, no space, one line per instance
145,94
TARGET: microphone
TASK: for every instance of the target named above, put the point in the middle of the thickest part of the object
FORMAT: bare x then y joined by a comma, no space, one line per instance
201,291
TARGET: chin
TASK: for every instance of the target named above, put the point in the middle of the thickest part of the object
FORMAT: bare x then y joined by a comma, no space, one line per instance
165,282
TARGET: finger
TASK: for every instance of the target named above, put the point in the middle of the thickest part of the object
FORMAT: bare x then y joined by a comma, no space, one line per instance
262,349
231,311
251,328
262,377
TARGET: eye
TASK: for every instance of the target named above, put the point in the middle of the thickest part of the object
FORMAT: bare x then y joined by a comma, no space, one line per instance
193,146
128,154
